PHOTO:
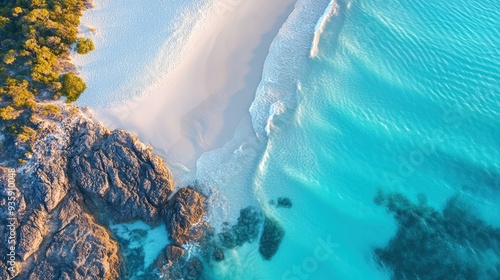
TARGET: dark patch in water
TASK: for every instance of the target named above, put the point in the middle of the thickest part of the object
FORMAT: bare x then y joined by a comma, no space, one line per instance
271,238
218,254
284,202
246,230
452,244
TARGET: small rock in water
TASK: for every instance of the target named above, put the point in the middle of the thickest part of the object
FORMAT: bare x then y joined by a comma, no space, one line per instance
194,269
218,254
174,253
284,202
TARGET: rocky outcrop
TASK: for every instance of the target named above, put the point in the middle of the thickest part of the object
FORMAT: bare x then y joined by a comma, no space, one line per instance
79,249
174,253
82,176
119,174
182,212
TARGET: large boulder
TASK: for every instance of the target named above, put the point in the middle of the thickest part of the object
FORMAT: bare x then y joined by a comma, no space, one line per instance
174,253
182,212
120,174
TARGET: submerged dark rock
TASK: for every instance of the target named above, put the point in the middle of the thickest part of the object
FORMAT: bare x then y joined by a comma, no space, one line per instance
271,238
246,230
132,256
429,244
218,254
194,269
284,202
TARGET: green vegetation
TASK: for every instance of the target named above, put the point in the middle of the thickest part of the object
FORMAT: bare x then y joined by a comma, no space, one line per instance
72,86
27,134
35,39
8,113
84,45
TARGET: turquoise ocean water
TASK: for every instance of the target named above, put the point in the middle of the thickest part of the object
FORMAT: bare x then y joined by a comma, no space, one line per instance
402,97
378,119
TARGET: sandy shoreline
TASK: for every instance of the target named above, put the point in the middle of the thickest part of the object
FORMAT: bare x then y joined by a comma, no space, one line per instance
198,106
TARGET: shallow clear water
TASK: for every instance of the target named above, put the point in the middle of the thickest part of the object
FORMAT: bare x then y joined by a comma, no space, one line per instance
141,245
403,96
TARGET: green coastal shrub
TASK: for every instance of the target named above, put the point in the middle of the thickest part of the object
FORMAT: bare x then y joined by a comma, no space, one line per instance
9,57
8,113
84,45
35,39
72,86
27,134
19,92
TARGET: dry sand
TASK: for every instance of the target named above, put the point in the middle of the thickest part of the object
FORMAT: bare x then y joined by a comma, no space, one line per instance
198,106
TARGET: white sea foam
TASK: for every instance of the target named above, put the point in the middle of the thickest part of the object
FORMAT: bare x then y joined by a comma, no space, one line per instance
276,109
228,173
280,75
331,10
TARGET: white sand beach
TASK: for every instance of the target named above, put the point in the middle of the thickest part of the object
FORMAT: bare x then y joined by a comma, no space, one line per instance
194,99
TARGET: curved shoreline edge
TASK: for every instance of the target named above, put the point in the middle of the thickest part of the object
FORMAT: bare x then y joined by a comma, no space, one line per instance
64,199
